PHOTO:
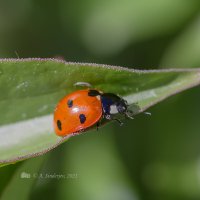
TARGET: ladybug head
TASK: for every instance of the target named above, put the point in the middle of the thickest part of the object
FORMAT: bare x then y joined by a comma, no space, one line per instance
122,108
112,104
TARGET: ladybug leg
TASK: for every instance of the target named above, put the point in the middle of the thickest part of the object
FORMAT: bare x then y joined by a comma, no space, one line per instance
119,121
128,114
109,117
98,124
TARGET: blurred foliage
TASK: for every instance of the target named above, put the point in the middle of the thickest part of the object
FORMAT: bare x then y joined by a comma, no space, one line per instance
153,157
184,51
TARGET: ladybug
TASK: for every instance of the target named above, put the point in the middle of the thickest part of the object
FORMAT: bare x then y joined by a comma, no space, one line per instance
84,108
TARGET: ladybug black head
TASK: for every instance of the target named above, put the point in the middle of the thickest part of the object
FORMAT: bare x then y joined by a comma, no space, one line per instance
112,104
122,106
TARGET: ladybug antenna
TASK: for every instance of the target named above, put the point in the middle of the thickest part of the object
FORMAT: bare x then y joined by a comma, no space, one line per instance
118,121
83,84
147,113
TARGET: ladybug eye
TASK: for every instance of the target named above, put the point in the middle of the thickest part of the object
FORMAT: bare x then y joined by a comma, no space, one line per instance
121,109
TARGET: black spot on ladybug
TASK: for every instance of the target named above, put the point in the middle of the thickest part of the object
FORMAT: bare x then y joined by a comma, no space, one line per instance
59,125
82,118
93,93
70,103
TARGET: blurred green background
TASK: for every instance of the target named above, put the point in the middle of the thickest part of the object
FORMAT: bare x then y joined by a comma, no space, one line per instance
149,158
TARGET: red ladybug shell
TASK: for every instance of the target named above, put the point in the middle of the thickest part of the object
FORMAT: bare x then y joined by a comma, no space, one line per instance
76,112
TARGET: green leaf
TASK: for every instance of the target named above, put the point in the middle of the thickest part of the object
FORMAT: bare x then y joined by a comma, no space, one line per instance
30,89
